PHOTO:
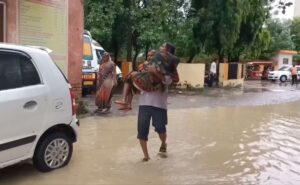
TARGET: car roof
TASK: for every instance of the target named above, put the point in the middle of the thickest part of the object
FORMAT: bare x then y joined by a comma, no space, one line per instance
26,49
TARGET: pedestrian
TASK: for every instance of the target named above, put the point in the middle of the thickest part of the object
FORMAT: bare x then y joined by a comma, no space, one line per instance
153,106
106,82
144,80
294,73
213,72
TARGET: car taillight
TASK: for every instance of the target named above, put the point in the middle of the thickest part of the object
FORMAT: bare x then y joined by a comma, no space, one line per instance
73,102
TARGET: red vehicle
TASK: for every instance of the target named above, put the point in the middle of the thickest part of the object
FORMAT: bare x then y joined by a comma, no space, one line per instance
258,70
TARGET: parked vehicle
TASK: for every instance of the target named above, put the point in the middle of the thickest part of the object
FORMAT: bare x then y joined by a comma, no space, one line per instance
283,74
90,64
37,109
258,70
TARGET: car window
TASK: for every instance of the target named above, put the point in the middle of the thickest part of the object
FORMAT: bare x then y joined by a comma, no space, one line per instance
17,71
87,48
285,68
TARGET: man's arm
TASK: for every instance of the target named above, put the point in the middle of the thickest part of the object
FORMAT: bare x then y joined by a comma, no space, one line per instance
175,76
152,69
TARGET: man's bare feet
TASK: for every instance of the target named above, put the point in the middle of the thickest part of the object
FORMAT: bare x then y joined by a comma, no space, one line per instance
145,159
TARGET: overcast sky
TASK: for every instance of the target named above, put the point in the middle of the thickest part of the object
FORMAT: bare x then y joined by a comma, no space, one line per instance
289,11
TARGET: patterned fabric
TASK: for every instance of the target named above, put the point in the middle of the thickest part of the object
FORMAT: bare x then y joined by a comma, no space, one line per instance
106,82
146,81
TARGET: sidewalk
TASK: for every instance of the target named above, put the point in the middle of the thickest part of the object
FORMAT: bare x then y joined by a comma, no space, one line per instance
252,94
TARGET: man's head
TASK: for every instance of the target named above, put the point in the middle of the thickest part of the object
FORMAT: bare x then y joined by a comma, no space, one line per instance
293,65
150,55
170,48
167,47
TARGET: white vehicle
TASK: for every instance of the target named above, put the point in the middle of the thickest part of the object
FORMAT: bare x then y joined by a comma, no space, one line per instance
283,74
37,109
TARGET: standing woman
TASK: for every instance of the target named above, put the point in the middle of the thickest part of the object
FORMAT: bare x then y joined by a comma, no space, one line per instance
106,81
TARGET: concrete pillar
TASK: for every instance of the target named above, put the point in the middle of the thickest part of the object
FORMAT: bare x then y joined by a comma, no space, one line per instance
75,45
12,20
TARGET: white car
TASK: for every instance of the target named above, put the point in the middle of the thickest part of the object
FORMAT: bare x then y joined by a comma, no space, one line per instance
283,74
37,109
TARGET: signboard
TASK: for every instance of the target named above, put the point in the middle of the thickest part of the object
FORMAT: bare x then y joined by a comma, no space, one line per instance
45,23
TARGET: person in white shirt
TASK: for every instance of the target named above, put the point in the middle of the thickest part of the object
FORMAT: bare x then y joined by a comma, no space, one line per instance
213,72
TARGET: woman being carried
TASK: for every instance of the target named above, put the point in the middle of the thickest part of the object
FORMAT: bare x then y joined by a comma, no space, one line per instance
150,77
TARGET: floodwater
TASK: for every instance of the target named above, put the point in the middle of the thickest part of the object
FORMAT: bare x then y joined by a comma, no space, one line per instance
208,145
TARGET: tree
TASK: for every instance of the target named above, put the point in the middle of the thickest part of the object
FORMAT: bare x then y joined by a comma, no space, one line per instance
251,31
280,37
99,18
295,32
219,24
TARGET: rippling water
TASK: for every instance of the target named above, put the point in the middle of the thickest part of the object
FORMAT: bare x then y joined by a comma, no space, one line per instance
249,145
228,145
268,154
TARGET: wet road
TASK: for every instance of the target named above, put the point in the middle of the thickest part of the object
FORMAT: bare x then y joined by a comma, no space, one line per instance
206,145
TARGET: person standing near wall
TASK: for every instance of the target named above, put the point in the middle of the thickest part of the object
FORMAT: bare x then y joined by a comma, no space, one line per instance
213,72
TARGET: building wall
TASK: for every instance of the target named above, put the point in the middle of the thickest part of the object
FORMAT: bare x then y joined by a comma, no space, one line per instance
75,45
223,76
192,74
75,32
281,57
11,21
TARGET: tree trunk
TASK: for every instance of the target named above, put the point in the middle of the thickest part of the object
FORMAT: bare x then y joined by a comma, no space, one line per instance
116,53
129,46
134,65
190,60
147,50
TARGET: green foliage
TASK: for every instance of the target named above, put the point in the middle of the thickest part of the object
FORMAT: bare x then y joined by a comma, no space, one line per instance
228,26
280,37
231,28
295,32
99,18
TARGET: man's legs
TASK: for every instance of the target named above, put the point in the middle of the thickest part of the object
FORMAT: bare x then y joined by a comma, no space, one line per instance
144,117
160,120
163,139
144,147
294,77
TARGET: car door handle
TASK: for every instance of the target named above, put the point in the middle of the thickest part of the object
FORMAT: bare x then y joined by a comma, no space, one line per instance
30,105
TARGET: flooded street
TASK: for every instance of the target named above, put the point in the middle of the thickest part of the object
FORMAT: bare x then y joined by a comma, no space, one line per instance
208,145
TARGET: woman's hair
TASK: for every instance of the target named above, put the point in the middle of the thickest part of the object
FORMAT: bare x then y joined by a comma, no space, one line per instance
105,54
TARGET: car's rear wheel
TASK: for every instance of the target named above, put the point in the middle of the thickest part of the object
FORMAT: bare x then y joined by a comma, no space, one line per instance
53,152
283,78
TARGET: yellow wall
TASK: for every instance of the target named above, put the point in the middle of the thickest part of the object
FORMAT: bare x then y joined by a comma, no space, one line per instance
126,68
193,74
223,76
